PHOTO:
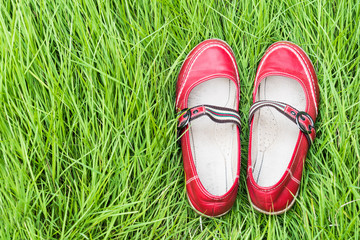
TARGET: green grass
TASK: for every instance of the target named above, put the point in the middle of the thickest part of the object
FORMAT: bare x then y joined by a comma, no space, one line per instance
87,117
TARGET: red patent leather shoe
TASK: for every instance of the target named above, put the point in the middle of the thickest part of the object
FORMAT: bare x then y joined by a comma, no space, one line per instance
207,99
285,106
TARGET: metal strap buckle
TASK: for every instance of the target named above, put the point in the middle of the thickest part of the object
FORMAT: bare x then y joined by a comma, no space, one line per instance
300,115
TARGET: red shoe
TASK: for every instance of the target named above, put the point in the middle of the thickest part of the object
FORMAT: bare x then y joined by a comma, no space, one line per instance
282,117
207,95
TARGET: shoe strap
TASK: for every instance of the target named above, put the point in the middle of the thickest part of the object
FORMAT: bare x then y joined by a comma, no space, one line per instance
215,113
302,119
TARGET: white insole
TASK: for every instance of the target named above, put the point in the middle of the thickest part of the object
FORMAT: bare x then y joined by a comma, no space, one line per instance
274,136
214,145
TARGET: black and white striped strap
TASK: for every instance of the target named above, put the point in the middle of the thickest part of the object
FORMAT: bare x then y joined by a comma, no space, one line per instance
302,119
215,113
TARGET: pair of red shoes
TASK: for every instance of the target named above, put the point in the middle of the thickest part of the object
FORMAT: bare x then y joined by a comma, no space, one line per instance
285,106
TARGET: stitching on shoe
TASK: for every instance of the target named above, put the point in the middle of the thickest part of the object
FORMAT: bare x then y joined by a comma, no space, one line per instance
288,46
191,61
301,59
292,177
191,179
197,54
312,78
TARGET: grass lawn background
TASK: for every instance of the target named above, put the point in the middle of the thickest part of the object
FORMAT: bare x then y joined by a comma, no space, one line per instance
87,117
